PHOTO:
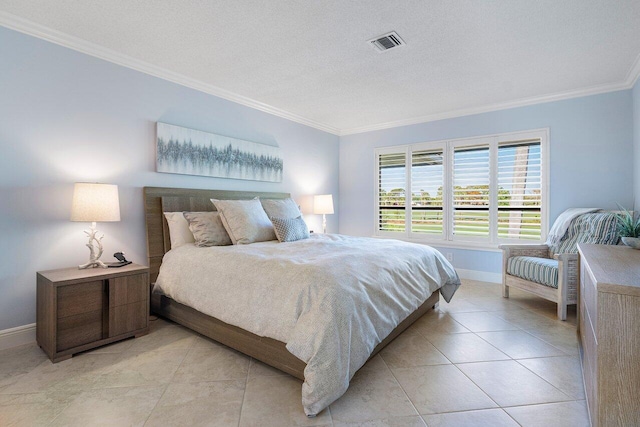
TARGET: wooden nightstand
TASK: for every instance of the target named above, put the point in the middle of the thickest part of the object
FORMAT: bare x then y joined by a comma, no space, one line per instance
81,309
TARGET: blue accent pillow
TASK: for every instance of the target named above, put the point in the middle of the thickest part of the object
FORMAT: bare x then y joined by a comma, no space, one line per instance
290,230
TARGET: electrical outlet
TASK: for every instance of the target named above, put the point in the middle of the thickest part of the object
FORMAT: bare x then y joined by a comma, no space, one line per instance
449,256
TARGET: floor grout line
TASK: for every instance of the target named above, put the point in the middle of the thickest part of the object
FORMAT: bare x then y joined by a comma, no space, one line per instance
244,393
401,388
64,409
156,405
514,358
168,384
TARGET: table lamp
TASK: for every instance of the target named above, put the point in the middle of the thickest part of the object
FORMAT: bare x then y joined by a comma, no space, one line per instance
323,204
93,202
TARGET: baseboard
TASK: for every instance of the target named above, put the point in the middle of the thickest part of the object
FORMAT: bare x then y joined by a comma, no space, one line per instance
482,276
20,335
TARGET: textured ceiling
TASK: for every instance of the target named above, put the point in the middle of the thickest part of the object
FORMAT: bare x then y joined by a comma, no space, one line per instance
311,58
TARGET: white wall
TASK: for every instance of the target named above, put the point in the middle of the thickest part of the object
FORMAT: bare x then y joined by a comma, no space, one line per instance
591,163
67,117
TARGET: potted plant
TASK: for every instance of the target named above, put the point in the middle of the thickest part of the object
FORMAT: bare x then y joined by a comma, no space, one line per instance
629,229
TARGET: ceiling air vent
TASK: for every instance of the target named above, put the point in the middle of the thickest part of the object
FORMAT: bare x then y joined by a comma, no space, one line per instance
387,41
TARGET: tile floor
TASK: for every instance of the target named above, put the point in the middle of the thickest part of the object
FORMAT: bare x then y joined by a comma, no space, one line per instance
480,361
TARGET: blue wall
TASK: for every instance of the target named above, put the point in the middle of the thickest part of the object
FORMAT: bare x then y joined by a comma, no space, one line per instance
67,117
591,141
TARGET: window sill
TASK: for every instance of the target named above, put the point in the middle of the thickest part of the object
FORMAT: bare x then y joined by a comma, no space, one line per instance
474,246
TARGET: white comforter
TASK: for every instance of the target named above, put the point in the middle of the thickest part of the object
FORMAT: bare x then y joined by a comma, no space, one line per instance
330,298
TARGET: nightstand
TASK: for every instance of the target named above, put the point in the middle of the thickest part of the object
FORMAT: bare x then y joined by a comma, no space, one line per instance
78,310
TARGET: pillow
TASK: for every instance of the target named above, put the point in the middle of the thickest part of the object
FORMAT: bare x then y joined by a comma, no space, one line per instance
207,229
290,229
245,221
281,208
179,232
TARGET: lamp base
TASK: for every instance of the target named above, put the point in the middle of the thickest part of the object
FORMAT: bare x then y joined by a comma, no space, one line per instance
93,264
95,251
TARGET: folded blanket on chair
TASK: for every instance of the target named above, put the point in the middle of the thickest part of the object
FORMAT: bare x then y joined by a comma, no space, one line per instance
561,225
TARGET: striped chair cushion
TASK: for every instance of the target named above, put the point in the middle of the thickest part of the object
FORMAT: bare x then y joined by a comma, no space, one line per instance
539,270
599,228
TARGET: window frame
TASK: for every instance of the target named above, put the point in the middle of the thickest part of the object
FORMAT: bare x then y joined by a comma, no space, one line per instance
448,146
426,146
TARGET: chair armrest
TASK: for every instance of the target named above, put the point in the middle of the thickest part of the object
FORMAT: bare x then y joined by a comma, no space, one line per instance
568,276
565,257
511,250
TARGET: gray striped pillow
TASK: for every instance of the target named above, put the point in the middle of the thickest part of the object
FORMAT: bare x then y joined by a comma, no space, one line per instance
290,229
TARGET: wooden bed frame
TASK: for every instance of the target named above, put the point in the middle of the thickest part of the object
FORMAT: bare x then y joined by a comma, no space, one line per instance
272,352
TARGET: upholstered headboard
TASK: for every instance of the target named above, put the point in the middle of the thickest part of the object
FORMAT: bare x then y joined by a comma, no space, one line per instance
158,200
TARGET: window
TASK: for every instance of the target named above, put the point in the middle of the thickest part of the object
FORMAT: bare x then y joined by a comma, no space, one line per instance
391,195
471,201
427,167
476,191
519,178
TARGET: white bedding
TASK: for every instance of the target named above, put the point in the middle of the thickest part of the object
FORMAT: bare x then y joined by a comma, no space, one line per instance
330,298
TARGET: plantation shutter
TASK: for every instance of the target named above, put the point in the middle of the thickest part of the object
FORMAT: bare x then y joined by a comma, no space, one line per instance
475,192
471,198
427,180
519,190
392,180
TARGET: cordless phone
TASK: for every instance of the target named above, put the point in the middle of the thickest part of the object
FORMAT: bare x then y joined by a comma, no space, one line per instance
122,261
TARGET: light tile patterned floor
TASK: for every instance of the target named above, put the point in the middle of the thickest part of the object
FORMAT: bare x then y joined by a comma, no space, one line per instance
480,361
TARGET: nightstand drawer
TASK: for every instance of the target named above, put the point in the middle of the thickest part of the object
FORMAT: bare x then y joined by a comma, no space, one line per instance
590,297
128,318
84,328
587,332
128,289
80,298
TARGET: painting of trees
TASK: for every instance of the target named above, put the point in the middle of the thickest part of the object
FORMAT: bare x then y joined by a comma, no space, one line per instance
186,151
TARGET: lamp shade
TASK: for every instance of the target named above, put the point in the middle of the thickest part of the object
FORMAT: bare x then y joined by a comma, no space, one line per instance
323,204
94,202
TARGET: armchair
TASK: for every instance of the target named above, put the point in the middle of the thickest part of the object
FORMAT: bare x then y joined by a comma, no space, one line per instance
551,272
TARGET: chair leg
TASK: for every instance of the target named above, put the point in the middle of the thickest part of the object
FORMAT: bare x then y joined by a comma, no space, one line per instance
562,311
563,280
505,291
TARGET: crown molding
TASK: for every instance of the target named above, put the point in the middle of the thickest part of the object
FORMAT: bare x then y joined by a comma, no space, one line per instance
595,90
36,30
632,77
634,73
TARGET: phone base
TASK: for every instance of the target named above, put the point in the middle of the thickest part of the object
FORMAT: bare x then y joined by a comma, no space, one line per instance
118,264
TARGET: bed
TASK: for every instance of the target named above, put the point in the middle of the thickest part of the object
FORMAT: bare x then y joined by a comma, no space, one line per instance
265,341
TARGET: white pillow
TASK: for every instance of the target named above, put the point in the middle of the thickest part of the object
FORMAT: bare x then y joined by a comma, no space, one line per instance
245,221
281,208
179,232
